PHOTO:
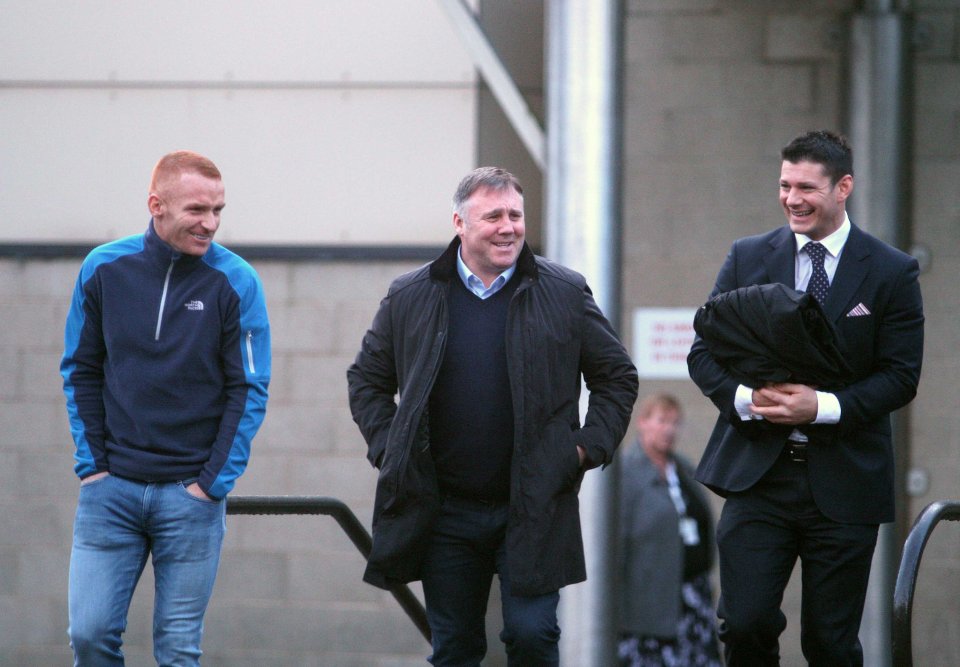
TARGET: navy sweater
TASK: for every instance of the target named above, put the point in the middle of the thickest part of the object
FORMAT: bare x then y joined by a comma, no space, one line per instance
471,411
166,363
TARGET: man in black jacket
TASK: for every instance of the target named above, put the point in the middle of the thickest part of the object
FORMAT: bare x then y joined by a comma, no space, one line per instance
807,471
482,456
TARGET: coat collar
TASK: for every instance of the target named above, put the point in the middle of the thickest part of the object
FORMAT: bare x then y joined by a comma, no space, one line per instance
639,466
444,267
780,262
163,253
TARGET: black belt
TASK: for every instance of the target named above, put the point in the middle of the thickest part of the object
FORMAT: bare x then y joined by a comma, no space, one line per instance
795,451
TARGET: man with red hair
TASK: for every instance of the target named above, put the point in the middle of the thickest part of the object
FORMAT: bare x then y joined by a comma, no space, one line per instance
165,369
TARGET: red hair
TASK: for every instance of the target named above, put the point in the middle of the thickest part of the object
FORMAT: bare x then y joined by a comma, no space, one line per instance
173,164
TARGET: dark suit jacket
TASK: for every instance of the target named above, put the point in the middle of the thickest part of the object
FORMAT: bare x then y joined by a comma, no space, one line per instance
851,463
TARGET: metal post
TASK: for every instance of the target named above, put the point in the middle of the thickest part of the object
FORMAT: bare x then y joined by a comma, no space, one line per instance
878,126
948,510
583,232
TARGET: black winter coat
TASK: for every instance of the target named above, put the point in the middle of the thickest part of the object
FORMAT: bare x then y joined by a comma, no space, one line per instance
555,332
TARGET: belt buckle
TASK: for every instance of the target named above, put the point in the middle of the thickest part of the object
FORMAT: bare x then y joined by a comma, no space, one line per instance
797,451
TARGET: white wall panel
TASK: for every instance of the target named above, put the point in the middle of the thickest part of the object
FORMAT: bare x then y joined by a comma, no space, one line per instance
334,121
312,166
217,40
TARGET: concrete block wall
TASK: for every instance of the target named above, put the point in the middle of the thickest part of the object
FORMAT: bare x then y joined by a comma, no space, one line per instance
37,485
935,416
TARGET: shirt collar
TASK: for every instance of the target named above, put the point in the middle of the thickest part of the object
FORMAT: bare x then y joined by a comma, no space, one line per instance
833,243
475,285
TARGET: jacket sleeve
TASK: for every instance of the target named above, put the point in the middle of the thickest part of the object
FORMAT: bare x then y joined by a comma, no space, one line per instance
712,379
611,379
245,355
82,370
372,383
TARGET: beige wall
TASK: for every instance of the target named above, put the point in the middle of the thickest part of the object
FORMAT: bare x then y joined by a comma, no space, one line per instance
713,89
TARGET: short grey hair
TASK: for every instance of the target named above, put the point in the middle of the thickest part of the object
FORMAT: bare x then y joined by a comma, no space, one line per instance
493,178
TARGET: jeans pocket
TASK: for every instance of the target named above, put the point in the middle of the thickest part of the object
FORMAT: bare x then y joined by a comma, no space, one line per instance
91,482
206,500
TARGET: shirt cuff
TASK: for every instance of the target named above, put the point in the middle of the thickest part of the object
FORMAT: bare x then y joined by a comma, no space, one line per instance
828,408
742,402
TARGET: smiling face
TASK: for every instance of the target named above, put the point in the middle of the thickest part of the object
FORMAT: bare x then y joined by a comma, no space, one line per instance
814,206
491,231
186,211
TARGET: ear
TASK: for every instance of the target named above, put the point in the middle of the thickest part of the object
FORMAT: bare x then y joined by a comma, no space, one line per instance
458,224
844,187
154,204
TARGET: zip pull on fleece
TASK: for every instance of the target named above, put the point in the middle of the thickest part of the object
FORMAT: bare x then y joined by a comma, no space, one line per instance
163,298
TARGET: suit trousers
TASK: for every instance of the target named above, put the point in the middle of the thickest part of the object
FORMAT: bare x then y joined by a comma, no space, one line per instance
761,533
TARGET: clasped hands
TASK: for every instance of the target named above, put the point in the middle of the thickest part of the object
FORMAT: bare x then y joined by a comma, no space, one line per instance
785,403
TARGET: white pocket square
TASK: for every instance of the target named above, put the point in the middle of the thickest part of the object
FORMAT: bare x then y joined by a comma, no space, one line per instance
859,311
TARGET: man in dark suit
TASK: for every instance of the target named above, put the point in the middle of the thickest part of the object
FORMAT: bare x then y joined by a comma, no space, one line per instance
807,472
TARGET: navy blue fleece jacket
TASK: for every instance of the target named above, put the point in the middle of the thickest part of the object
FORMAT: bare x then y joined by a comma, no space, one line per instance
166,363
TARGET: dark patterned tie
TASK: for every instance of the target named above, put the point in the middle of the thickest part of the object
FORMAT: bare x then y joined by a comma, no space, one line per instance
819,283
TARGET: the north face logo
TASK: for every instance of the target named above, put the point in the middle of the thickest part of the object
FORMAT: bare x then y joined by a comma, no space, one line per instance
194,305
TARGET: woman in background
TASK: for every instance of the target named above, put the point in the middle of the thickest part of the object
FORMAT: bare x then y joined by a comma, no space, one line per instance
666,615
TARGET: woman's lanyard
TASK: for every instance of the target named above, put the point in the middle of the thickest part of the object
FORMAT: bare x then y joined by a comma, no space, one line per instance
688,526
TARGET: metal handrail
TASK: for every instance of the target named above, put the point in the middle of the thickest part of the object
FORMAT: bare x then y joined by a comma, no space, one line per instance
348,522
948,510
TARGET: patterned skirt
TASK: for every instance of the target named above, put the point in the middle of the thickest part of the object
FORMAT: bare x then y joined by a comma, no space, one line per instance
696,642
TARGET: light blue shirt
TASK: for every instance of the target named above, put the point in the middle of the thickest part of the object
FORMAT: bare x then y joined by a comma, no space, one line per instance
476,286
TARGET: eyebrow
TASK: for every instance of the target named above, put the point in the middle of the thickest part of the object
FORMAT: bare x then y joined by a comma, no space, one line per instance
198,205
499,211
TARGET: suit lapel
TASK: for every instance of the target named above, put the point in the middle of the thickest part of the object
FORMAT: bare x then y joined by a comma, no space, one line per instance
851,271
780,262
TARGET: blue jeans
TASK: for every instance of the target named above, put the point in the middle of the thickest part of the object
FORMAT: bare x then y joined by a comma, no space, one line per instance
466,549
119,522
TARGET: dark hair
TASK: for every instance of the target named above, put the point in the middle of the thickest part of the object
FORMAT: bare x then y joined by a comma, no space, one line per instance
825,148
493,178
